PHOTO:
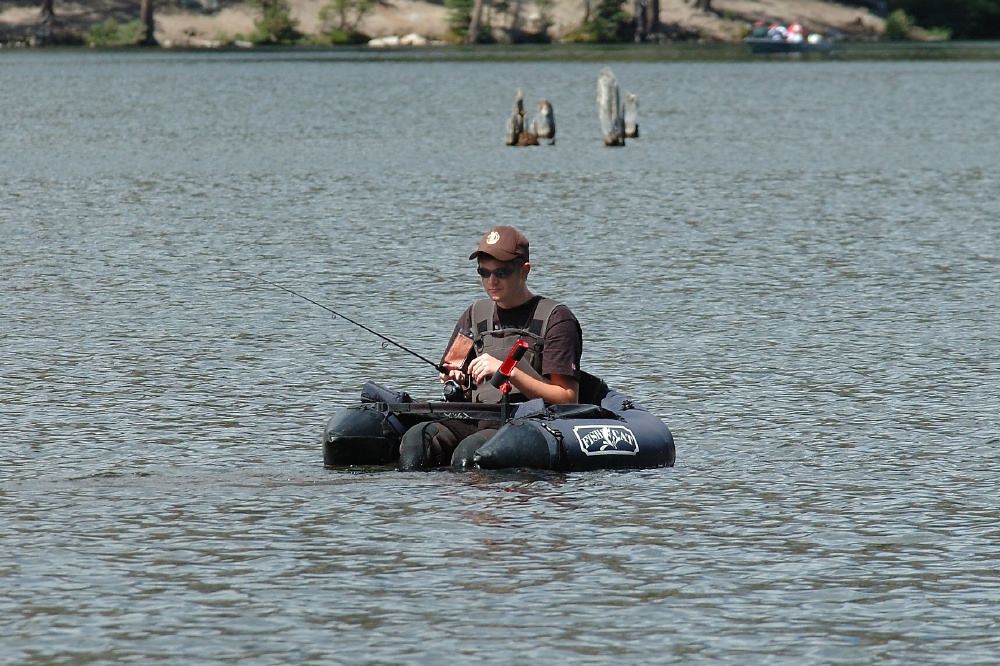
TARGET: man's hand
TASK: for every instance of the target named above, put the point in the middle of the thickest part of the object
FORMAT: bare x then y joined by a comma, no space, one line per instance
455,374
482,368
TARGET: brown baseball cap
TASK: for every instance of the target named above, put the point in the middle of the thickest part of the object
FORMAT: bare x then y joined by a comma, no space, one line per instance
503,244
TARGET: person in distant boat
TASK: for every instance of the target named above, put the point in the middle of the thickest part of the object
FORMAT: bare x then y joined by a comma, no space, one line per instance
777,32
759,30
481,341
796,33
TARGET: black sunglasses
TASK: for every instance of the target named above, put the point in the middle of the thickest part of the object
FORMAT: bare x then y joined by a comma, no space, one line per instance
499,273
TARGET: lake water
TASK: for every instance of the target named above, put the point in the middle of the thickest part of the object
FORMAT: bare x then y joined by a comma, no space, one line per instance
797,266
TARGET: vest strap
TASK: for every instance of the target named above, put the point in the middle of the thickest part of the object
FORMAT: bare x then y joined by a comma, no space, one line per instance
490,340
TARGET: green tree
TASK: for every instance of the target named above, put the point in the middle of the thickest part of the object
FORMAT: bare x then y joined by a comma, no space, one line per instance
964,19
276,25
898,25
345,14
459,15
340,20
608,23
111,34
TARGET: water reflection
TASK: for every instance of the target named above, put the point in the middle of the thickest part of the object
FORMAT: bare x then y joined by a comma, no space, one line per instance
798,291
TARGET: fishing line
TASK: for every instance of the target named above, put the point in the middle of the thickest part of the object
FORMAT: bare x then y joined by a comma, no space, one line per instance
336,314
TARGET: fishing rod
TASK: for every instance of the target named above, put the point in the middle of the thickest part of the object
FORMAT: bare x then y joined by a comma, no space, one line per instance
436,366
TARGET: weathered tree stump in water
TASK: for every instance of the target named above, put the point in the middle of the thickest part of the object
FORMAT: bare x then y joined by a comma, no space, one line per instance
631,115
543,126
527,139
515,134
515,122
609,109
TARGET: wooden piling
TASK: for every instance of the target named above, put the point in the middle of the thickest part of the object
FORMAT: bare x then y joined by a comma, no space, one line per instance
609,109
544,123
515,122
631,115
516,134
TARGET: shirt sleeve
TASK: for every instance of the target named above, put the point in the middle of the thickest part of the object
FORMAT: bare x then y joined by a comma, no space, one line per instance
563,344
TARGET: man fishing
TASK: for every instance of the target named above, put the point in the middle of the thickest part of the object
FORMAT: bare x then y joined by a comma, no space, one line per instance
482,340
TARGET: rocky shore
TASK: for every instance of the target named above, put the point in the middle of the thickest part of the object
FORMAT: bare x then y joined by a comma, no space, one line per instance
213,23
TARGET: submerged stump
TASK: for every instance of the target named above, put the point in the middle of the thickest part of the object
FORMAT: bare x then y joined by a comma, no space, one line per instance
515,133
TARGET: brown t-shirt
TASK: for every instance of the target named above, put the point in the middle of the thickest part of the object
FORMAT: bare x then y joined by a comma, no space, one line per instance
563,336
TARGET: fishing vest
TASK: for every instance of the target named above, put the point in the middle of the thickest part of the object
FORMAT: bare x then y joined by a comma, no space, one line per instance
497,342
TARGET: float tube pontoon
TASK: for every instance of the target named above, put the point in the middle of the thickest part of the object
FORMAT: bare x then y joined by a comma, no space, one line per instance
612,433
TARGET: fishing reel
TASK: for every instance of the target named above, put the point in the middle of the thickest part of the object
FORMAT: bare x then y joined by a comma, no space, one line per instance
455,392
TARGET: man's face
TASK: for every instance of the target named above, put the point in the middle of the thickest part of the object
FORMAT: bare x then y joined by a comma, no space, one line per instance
505,280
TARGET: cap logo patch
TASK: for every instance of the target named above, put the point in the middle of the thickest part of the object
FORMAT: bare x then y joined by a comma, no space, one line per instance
493,238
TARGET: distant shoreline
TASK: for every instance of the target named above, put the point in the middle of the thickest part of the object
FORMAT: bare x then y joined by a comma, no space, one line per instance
233,21
603,54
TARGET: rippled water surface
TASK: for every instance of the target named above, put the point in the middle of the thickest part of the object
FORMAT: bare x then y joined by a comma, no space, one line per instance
797,265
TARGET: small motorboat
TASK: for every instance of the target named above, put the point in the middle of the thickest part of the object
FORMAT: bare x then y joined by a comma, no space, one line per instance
768,45
793,38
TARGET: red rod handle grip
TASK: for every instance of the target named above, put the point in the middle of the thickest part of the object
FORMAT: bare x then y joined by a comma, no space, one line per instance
503,374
